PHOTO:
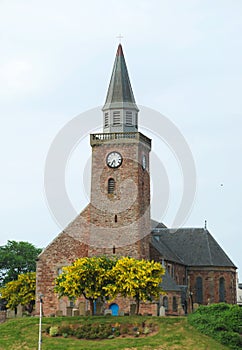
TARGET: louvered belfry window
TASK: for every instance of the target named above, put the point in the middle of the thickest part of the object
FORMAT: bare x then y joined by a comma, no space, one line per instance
129,120
106,122
116,118
111,186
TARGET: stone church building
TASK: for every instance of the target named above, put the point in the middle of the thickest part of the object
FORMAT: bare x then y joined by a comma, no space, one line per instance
117,221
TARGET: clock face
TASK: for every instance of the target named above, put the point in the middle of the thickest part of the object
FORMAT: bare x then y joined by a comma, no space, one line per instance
144,162
114,159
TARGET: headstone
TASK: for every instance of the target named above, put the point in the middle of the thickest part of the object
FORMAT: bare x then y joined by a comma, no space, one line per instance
3,315
69,311
19,311
82,311
62,306
59,313
75,312
107,312
195,306
11,313
132,309
99,306
162,311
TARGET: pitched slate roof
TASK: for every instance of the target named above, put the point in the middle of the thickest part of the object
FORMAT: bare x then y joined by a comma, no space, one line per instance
165,251
168,284
193,246
120,92
156,224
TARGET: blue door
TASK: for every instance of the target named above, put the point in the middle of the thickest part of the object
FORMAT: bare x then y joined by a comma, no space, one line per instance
114,308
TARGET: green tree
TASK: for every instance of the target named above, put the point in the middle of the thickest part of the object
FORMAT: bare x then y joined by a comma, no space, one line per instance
20,292
139,279
87,277
100,277
17,258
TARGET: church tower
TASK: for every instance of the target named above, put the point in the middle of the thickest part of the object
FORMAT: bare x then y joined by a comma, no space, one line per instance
120,180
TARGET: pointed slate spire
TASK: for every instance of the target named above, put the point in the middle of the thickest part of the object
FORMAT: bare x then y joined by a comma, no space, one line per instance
120,109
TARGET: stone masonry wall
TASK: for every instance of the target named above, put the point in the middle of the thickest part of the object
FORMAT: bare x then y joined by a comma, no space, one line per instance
67,247
210,278
120,220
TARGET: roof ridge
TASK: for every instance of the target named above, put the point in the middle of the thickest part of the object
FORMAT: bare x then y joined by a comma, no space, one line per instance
222,250
179,228
209,252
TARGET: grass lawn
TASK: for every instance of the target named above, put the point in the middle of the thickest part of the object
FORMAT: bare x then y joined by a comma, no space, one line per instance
173,333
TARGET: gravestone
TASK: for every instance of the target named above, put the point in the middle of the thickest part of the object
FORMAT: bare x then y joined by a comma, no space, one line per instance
82,308
162,311
107,312
59,313
75,312
132,309
69,310
19,311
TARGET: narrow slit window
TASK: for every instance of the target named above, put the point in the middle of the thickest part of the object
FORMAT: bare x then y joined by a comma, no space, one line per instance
115,218
199,290
221,289
111,186
165,303
174,304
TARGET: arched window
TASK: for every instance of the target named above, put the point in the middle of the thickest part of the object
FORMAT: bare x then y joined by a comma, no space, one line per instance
111,186
165,303
174,304
199,290
221,289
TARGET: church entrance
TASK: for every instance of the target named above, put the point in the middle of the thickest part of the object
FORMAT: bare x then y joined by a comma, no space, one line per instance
114,308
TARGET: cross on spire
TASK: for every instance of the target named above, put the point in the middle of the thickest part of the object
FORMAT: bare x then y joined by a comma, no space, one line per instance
120,37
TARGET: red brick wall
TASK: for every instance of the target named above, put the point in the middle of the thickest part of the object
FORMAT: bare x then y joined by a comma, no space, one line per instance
95,231
170,310
130,202
210,278
67,247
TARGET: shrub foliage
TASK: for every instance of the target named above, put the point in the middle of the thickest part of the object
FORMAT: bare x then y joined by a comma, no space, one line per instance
99,330
221,321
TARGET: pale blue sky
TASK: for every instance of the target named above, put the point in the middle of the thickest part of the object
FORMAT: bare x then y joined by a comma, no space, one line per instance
184,60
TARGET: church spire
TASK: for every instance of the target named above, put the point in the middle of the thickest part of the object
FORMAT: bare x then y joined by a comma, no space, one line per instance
120,110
